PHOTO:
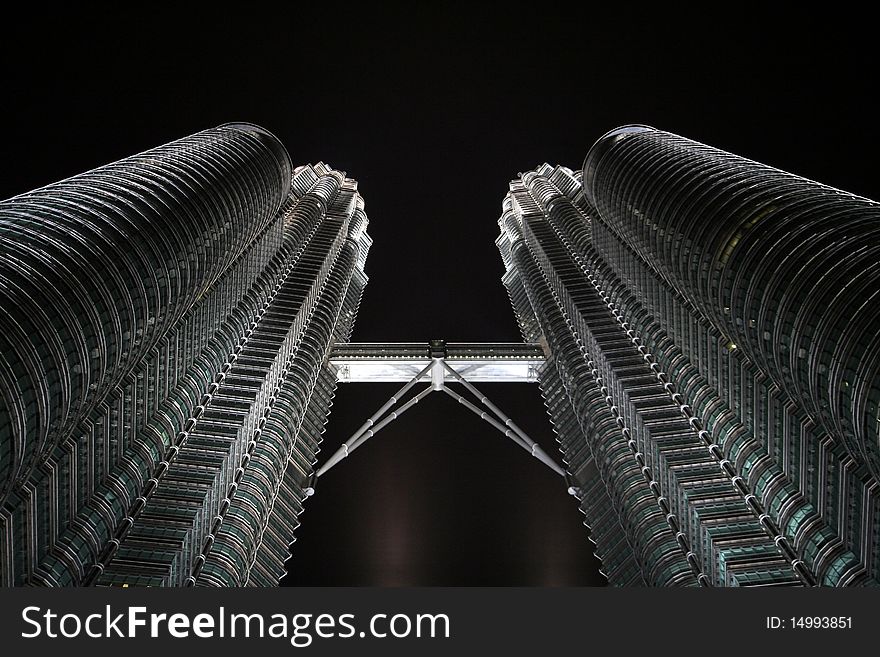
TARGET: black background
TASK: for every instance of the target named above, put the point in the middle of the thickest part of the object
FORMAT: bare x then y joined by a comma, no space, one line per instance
433,110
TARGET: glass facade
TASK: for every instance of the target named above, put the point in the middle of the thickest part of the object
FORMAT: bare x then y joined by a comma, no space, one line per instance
163,380
709,336
715,369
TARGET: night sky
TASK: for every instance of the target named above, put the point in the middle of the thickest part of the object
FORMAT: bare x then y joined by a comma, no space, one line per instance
433,111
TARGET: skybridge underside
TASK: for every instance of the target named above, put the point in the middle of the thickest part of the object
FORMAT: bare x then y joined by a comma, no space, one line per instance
399,362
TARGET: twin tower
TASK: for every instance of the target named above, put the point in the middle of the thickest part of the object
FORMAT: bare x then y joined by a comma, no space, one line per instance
710,333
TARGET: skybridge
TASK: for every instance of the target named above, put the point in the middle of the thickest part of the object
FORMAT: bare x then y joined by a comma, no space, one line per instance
438,364
492,362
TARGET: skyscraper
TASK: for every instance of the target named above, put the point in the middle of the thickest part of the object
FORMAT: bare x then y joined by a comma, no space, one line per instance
164,322
714,373
704,329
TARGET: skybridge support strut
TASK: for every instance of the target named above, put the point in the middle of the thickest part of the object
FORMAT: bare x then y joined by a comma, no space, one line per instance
353,442
509,429
437,372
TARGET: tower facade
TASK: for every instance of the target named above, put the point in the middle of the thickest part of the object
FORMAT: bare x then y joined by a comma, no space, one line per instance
713,331
705,331
164,327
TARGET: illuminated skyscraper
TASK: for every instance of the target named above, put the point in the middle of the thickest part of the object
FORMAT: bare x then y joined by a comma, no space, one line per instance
164,322
705,331
714,374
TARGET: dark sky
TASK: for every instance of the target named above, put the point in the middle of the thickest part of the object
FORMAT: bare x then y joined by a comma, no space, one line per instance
433,113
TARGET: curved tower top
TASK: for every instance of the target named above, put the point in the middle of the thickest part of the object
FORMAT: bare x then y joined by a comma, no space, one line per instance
271,142
786,268
96,268
603,144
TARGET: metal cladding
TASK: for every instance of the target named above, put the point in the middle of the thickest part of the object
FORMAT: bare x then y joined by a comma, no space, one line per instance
788,269
96,268
705,331
164,323
714,332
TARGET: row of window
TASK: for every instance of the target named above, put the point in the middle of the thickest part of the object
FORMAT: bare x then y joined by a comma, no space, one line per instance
169,386
252,543
124,249
649,537
238,406
763,424
761,253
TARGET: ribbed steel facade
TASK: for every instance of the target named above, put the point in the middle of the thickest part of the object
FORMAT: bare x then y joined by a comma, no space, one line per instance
164,326
714,331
